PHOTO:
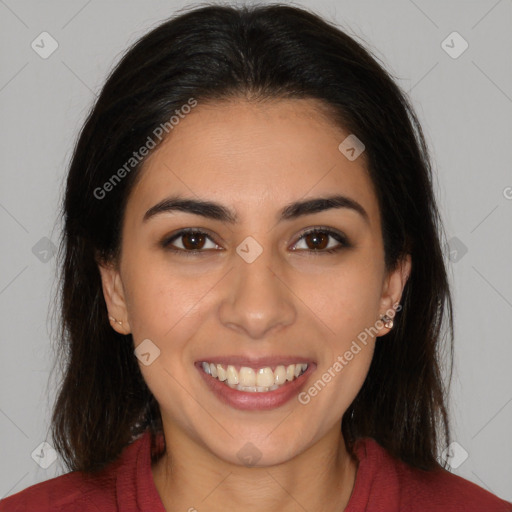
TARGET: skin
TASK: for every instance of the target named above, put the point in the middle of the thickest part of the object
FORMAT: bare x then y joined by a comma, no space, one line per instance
255,159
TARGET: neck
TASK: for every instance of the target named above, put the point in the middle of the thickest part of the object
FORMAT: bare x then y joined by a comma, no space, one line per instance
189,477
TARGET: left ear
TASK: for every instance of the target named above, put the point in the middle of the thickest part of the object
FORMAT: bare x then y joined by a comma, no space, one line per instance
393,287
115,299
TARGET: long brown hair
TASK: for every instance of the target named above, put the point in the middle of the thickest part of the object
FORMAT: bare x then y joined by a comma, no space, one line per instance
214,53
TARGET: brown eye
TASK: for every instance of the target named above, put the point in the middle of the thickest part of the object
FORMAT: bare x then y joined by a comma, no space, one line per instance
193,241
317,241
189,242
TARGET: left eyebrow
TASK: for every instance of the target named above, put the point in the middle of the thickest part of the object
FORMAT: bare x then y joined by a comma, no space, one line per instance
216,211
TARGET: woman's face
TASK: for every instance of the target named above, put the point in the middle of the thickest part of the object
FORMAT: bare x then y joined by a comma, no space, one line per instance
258,292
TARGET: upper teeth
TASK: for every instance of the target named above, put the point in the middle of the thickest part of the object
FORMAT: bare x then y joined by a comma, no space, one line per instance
249,379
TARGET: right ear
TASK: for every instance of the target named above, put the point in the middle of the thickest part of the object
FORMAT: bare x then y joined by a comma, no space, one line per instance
114,295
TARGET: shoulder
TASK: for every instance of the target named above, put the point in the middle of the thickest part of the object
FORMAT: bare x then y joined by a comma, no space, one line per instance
416,490
71,492
442,490
75,491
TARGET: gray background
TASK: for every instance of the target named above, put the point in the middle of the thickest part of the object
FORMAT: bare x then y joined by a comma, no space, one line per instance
464,103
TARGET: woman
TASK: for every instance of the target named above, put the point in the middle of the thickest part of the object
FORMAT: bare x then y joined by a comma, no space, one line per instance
253,289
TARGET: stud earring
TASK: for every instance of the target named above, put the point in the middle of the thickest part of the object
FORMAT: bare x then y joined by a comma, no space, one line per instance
388,322
112,319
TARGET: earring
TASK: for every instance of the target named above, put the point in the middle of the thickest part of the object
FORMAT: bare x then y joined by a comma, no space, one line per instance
388,322
112,319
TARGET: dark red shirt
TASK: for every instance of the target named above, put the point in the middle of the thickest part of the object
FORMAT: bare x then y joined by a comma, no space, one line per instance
383,484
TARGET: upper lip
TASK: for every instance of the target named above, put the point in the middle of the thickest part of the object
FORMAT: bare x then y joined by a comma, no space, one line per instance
255,362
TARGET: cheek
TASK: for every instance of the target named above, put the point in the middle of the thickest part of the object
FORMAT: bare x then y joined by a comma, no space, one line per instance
347,302
347,298
339,379
169,310
158,298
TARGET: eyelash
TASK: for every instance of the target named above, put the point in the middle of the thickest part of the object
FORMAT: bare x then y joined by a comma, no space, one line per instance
345,244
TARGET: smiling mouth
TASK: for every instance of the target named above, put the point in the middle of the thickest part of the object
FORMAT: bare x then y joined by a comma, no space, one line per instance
255,380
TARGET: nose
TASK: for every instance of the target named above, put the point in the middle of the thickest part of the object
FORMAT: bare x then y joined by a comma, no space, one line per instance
257,297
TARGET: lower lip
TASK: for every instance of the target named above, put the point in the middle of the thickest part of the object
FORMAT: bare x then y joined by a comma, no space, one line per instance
257,401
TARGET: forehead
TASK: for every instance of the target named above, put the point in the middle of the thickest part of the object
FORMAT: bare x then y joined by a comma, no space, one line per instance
253,156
